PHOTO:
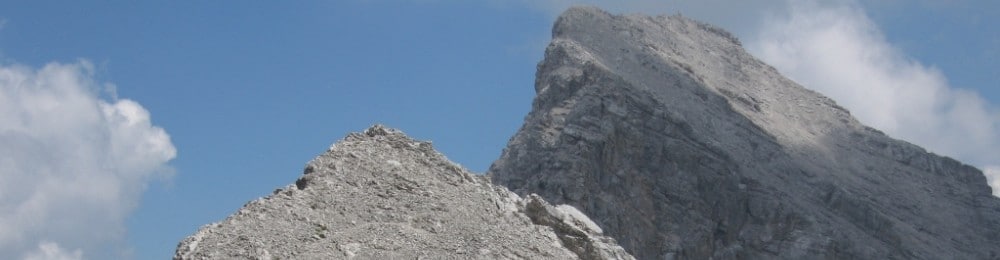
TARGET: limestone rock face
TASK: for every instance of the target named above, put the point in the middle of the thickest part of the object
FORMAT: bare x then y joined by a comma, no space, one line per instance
681,145
382,195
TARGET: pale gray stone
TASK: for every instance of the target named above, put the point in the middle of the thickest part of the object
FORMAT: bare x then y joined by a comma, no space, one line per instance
382,195
681,145
668,135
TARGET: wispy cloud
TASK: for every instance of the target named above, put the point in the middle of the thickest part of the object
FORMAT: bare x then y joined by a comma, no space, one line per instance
72,165
51,251
840,52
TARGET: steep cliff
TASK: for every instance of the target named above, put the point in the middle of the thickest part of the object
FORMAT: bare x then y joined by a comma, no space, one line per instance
381,195
682,146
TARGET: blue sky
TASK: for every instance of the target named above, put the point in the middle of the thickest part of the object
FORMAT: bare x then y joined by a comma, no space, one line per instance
249,91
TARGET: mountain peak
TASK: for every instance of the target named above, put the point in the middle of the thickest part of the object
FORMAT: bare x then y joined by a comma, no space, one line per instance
665,129
379,194
577,16
654,137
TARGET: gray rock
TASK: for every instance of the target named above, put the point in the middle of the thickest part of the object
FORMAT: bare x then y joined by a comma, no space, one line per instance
681,145
381,195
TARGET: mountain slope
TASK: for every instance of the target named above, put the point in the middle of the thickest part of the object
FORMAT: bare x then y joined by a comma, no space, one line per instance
681,145
381,195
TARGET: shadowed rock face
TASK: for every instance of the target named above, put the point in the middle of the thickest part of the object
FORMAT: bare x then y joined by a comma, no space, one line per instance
682,146
381,195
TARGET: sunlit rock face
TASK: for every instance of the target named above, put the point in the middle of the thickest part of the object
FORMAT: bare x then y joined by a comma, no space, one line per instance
379,194
681,145
653,137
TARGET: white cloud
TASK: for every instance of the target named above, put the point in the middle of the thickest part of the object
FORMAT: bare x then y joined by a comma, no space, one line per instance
993,178
72,165
838,51
51,251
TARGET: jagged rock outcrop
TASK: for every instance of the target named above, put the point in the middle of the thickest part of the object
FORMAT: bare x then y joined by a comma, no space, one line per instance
682,146
381,195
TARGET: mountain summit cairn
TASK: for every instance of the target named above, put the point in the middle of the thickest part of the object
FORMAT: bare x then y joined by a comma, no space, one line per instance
382,195
681,145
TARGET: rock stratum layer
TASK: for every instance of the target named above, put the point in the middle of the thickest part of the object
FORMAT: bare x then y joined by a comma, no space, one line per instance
681,145
382,195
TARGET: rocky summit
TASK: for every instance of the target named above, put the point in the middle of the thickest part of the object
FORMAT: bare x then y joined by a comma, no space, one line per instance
681,145
382,195
653,137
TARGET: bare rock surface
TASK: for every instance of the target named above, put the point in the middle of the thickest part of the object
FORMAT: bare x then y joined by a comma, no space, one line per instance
654,137
382,195
681,145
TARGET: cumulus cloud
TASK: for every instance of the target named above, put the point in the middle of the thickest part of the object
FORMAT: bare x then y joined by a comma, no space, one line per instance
840,52
72,164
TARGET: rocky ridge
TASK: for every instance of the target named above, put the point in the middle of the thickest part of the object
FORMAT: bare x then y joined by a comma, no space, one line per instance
683,146
668,135
382,195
